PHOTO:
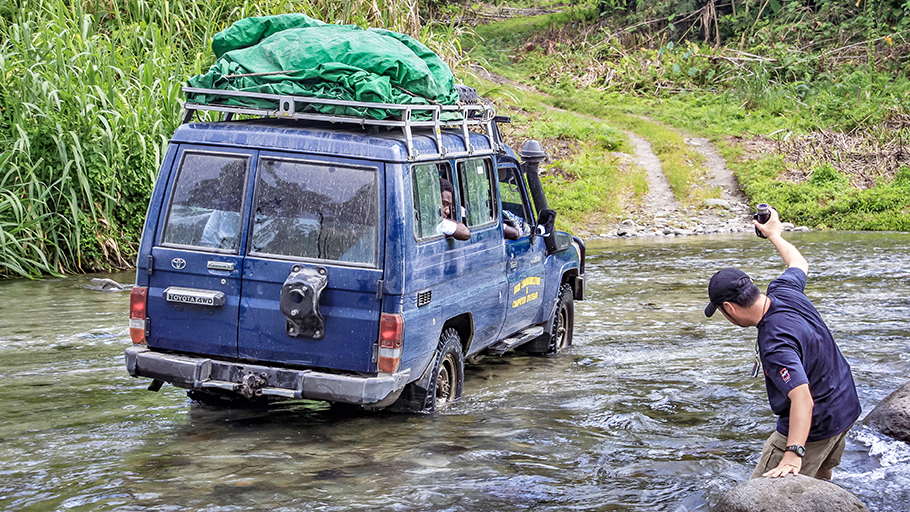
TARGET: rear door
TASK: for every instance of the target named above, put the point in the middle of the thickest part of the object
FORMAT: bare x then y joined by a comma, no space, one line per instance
194,287
314,214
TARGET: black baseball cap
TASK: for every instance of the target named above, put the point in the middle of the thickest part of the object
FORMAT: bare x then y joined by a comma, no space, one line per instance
725,286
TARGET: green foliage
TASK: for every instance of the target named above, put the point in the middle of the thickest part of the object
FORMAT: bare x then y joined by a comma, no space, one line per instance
826,200
84,136
826,176
590,185
777,69
569,126
902,177
587,184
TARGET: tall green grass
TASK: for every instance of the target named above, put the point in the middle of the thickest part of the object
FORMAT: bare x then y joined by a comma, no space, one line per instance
90,91
84,121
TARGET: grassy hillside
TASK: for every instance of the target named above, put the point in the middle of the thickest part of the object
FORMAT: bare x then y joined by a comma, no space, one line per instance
811,106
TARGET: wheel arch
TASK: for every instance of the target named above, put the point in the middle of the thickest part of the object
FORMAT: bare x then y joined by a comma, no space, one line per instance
464,326
573,278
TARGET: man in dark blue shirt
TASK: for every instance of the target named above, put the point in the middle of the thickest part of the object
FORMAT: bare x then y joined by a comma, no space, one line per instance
809,383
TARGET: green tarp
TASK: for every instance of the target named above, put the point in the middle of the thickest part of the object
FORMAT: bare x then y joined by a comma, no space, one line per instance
293,54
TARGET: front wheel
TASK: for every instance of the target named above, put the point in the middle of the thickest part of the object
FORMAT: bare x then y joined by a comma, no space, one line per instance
442,385
560,335
564,321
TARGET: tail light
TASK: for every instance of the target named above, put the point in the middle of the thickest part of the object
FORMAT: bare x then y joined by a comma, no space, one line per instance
391,331
138,303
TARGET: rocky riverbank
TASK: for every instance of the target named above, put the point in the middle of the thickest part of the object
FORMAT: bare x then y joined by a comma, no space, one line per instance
661,215
716,216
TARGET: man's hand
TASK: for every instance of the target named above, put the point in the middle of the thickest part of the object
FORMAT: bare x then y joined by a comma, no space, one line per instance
791,463
801,405
773,230
772,227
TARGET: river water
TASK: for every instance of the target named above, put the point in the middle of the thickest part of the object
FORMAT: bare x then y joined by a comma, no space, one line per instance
652,408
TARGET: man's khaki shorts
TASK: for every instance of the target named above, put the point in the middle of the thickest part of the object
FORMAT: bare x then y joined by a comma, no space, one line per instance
824,454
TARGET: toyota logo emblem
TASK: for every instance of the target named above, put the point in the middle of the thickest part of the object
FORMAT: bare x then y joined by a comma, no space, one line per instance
178,263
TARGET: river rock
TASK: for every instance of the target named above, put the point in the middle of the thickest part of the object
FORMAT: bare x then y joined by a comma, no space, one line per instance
719,203
107,285
792,493
625,230
891,416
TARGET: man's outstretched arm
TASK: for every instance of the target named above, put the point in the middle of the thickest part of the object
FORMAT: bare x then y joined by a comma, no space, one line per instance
773,229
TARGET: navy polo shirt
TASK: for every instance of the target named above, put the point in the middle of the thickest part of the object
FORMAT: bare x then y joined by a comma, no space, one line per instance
796,348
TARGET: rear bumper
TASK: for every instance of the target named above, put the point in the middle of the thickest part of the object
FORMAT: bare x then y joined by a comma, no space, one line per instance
204,373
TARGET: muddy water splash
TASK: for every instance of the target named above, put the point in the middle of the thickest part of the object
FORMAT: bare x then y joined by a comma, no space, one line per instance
651,409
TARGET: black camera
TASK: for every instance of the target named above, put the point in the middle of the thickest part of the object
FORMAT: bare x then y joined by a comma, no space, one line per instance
763,215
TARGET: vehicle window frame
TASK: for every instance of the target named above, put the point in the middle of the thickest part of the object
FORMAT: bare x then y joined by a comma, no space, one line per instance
443,170
248,249
462,188
248,158
523,192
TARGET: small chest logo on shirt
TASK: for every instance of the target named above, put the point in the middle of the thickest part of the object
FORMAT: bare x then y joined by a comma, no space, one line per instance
784,374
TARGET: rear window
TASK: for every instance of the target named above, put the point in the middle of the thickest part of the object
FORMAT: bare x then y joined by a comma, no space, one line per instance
206,202
313,210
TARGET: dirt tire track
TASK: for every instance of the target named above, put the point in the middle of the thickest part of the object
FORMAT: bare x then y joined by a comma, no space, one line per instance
660,194
660,214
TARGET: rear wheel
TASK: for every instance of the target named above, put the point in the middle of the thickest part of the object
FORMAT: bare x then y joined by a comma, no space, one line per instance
442,385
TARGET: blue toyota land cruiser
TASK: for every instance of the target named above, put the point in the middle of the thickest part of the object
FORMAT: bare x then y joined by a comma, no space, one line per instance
293,254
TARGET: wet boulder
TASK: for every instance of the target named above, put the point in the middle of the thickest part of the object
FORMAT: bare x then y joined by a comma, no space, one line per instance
891,416
107,285
792,493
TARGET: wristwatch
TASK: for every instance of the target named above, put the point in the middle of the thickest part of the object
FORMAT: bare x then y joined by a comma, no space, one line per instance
797,449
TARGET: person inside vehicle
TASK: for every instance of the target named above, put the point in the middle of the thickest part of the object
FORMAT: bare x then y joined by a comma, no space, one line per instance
513,226
808,380
449,226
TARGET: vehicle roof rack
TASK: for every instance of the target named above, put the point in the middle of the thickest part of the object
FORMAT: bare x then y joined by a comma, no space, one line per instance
479,116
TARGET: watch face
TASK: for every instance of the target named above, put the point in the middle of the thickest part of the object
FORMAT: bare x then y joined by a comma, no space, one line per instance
799,450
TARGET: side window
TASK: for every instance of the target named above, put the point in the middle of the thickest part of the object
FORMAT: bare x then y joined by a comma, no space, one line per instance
475,177
515,210
312,210
206,203
427,198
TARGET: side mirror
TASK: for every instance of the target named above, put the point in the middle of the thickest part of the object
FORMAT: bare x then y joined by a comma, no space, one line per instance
546,224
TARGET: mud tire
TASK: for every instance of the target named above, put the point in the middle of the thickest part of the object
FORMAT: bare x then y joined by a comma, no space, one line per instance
560,335
444,383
